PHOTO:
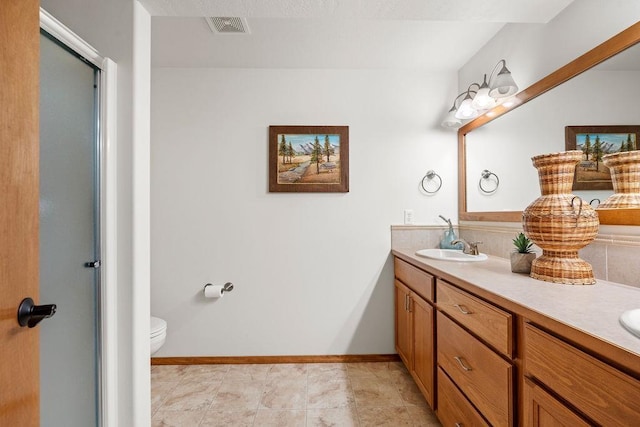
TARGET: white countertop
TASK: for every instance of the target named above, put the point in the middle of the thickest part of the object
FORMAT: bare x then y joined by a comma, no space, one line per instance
593,309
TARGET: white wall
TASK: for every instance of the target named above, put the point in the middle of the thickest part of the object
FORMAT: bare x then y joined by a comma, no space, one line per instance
312,272
533,51
592,98
109,27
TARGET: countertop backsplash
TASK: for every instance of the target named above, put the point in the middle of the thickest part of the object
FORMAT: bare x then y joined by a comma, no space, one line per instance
614,254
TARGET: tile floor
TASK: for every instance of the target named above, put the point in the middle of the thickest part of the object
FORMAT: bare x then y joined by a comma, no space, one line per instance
287,395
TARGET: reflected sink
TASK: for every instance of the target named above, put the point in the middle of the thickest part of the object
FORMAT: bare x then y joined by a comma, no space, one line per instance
450,255
630,319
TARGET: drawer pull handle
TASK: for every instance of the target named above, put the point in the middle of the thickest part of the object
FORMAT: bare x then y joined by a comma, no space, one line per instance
462,309
458,425
462,363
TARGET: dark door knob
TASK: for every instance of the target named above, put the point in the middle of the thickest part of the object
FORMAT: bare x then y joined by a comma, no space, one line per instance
30,314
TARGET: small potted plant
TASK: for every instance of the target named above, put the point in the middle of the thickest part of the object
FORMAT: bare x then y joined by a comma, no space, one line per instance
522,258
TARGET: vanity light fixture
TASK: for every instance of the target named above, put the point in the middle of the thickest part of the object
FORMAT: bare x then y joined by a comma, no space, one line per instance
485,97
503,85
453,119
466,110
482,100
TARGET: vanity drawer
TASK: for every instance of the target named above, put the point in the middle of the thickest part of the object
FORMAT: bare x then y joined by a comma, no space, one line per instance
419,281
601,392
483,376
487,321
453,408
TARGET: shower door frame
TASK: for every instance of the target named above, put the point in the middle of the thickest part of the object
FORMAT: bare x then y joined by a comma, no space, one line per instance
107,296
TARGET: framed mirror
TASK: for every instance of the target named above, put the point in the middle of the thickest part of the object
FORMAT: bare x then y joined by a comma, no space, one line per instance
519,133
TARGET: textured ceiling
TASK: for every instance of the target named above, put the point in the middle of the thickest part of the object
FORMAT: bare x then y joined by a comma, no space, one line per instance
539,11
409,34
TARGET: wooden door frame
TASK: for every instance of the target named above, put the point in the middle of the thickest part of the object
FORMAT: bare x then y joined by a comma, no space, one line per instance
107,310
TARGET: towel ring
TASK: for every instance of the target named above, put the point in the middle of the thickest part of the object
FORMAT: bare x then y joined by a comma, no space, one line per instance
430,176
484,176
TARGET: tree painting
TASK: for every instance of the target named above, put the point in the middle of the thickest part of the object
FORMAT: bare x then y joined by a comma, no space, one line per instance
587,147
596,142
308,158
282,149
627,145
328,150
290,152
316,154
596,155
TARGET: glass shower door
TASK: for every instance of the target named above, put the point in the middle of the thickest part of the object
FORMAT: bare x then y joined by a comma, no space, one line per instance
69,237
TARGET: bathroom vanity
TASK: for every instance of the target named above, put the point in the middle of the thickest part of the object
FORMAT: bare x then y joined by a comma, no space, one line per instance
489,347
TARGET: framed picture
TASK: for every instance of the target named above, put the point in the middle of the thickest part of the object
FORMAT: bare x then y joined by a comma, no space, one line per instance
595,142
309,159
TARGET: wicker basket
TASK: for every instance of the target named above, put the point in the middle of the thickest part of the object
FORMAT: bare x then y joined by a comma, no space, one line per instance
559,222
625,176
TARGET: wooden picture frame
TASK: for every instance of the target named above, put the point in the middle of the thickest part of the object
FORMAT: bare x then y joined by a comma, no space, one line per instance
595,142
309,159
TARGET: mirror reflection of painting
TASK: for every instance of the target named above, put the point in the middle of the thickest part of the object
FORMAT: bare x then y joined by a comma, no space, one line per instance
308,159
594,146
595,142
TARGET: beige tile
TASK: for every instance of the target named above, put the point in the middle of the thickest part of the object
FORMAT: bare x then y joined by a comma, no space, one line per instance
247,372
280,418
207,373
159,393
225,418
176,418
238,395
374,393
378,370
384,417
397,366
171,373
596,255
284,394
622,264
399,373
287,371
191,396
332,417
330,394
326,372
401,239
411,394
422,416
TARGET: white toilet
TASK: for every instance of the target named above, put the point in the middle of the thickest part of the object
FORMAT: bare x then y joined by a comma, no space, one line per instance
158,333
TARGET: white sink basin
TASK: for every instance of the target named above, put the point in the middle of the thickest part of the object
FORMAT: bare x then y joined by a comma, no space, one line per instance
450,255
630,319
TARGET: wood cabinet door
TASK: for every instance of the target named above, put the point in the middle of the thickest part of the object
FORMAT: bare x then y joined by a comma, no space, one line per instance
404,330
423,350
542,410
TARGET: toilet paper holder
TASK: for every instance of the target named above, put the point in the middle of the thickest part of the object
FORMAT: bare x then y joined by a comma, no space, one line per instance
227,287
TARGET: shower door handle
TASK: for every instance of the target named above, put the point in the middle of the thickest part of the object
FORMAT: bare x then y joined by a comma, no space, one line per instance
30,314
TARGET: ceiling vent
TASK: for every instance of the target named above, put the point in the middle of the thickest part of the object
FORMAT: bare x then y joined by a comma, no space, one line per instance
228,25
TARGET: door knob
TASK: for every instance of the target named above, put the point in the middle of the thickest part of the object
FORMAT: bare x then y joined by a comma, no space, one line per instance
30,314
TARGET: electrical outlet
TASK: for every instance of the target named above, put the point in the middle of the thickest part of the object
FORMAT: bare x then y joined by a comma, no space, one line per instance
408,216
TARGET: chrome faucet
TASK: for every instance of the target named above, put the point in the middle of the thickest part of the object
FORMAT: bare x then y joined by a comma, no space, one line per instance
470,248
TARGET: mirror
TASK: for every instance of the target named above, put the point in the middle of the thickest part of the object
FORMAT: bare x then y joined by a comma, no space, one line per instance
571,98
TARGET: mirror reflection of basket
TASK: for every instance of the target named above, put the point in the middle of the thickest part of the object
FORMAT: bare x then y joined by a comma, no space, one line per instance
625,177
559,222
